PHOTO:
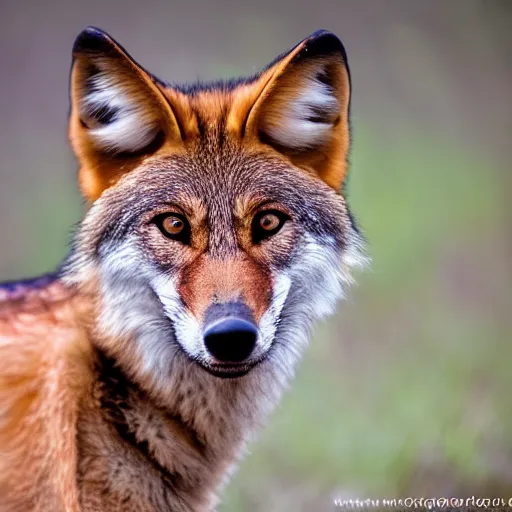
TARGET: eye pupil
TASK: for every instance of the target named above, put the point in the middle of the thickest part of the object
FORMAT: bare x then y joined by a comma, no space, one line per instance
269,222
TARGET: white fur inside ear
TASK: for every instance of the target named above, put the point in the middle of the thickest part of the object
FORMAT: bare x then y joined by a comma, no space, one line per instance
301,115
117,116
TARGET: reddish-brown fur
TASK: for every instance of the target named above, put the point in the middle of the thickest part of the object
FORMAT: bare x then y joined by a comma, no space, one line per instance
207,281
45,368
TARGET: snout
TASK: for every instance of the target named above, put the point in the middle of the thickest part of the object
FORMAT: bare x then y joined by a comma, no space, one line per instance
231,339
230,334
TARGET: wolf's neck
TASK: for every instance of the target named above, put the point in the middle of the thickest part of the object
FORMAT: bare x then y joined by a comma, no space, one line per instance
136,452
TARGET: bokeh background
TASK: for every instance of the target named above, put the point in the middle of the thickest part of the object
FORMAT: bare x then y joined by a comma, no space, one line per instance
407,389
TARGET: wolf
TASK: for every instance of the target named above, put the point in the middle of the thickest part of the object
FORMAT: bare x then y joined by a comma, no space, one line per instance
217,231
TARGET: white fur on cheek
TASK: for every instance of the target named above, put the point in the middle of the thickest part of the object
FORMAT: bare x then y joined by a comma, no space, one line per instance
322,276
270,319
186,327
131,311
317,280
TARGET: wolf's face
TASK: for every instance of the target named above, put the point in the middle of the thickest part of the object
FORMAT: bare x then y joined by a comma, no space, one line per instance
216,233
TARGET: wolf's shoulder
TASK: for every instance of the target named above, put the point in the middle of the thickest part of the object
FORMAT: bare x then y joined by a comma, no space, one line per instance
42,341
45,361
36,306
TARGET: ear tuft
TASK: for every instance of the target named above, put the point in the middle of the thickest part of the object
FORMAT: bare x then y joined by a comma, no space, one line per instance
303,111
113,95
119,114
302,107
114,110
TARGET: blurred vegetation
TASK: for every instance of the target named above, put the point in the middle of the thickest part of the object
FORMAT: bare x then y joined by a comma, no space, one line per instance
406,390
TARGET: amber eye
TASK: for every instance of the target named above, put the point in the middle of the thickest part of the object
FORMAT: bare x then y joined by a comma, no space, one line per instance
267,224
174,226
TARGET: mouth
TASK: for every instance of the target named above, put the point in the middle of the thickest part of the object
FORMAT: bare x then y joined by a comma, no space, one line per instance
228,371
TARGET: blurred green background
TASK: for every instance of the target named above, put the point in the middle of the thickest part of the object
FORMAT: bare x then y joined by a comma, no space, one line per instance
407,389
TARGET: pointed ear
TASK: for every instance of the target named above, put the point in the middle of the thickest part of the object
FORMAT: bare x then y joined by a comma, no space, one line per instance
301,107
118,113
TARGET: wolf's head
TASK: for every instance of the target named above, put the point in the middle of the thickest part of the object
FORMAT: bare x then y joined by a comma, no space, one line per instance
217,230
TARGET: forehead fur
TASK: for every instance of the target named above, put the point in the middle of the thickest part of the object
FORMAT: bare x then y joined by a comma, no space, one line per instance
215,172
216,182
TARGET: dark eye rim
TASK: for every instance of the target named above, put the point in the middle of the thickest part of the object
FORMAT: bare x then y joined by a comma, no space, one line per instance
183,236
258,233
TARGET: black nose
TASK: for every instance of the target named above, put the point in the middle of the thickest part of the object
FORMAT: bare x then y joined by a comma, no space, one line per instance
231,340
